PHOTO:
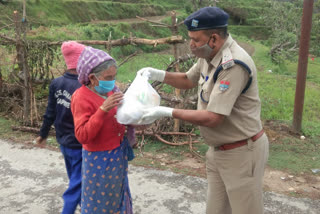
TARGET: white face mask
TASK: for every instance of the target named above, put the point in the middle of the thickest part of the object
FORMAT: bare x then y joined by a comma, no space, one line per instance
203,51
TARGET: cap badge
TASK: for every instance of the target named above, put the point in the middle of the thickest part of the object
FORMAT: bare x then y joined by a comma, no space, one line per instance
224,85
194,23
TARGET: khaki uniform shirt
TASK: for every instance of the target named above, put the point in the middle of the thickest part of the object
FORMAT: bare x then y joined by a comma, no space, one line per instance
242,111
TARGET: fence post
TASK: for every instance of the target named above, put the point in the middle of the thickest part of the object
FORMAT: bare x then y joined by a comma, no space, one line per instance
23,65
174,30
306,24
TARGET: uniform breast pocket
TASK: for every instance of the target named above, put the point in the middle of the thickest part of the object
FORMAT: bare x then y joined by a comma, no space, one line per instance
204,90
200,83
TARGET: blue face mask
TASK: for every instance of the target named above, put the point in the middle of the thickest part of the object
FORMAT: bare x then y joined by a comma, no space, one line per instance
104,86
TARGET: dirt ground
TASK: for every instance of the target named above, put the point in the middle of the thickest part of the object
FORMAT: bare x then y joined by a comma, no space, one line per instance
302,185
305,185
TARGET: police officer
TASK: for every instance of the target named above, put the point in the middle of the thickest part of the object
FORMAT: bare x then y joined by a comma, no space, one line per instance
228,113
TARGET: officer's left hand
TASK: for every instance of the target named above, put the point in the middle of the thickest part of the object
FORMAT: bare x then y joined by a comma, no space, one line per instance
154,113
152,73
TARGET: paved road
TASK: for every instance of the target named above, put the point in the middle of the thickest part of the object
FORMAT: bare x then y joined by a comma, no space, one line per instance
32,181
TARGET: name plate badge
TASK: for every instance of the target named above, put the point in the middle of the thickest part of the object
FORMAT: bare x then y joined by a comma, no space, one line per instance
228,64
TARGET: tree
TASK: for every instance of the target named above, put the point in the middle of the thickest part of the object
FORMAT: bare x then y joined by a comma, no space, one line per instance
197,4
315,33
284,20
4,1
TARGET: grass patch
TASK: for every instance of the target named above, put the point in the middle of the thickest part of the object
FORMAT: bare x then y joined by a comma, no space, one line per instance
313,69
158,155
127,72
5,127
100,31
7,133
295,155
155,147
277,90
59,12
255,32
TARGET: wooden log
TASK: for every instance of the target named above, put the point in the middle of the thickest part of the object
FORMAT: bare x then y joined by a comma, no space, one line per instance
154,22
175,99
157,135
174,144
129,41
127,58
164,133
7,38
180,60
30,130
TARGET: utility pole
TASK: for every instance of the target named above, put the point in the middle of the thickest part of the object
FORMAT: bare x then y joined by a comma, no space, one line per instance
27,101
306,24
22,58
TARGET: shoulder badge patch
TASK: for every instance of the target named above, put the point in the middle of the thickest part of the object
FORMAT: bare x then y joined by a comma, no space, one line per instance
224,85
227,60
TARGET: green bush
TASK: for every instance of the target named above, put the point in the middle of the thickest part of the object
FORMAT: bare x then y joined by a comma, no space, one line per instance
255,32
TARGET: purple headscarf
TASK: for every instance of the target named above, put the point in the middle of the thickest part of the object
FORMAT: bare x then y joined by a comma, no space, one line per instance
88,60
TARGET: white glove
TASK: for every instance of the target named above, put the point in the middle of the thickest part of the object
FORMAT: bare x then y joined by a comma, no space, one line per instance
152,73
154,113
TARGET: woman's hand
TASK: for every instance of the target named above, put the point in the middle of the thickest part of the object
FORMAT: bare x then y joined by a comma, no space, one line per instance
112,101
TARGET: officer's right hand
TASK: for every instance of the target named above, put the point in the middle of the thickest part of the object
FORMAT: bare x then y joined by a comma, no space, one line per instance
152,73
112,101
155,113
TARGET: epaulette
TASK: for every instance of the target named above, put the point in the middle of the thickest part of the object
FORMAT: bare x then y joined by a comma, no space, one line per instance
227,59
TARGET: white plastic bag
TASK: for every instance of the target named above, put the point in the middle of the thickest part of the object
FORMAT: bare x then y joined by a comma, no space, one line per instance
140,95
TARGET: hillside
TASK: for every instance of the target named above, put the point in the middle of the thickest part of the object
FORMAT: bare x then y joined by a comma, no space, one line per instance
60,12
95,20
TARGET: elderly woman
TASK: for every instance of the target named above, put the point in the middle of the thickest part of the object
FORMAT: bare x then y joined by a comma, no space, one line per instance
105,187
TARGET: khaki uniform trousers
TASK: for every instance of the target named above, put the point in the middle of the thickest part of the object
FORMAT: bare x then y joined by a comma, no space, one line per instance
235,178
